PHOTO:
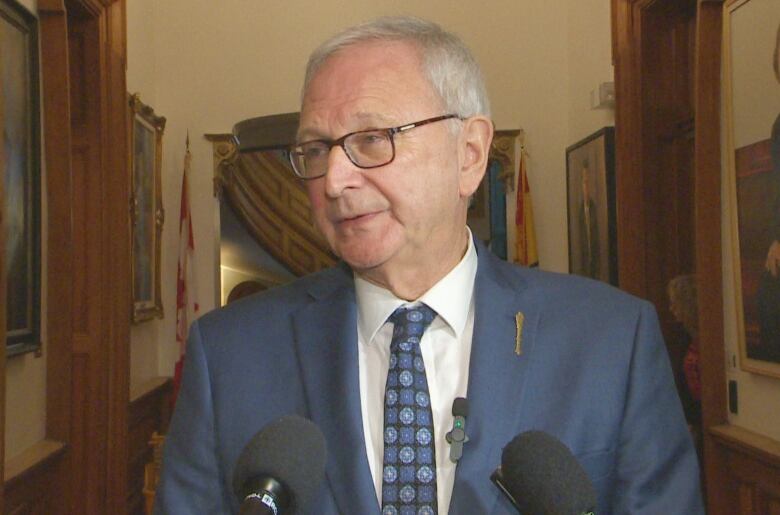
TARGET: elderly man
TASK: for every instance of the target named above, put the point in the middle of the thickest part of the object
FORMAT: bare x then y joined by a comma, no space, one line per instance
393,140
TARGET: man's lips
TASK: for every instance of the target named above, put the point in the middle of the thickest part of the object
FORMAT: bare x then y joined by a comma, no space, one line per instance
353,219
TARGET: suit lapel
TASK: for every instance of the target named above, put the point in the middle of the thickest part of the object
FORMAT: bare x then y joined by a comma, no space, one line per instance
326,339
496,378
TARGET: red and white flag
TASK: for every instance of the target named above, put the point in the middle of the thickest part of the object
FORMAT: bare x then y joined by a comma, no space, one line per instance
186,294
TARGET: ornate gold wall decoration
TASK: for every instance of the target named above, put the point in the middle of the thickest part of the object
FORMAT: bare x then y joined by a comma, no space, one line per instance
272,204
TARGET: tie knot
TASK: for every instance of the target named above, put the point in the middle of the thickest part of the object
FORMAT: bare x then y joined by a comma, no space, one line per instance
412,320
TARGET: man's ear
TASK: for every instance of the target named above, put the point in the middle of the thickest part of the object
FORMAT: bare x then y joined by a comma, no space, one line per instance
473,151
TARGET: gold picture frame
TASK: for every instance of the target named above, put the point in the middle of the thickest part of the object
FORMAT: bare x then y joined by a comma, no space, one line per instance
146,210
751,102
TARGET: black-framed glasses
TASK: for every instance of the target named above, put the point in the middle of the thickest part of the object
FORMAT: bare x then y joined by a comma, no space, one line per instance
370,148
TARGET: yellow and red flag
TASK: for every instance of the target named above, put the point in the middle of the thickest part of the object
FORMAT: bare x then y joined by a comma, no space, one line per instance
525,246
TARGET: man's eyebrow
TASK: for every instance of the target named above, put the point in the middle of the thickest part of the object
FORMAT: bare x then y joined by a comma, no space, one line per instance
309,135
367,121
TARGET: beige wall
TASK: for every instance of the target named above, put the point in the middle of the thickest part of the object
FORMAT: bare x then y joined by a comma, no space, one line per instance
208,68
141,79
590,64
25,375
214,67
756,104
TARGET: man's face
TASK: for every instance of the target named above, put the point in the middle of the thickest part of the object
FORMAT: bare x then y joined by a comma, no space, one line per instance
402,214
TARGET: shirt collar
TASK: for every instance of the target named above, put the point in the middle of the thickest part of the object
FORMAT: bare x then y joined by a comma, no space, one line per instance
451,298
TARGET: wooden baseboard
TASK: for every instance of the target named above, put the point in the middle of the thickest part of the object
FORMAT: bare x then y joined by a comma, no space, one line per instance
29,479
751,464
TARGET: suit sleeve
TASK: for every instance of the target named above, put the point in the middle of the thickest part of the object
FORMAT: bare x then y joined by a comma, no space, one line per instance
190,481
657,469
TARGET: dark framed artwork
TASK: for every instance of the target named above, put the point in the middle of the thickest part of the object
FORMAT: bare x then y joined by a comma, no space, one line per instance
590,200
20,122
147,214
751,100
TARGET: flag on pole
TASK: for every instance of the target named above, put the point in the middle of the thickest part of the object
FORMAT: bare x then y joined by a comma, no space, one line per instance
186,294
524,219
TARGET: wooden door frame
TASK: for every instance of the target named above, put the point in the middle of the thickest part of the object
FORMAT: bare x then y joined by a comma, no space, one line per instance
2,315
105,456
627,38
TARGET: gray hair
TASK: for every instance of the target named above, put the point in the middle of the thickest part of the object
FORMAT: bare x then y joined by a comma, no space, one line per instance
446,61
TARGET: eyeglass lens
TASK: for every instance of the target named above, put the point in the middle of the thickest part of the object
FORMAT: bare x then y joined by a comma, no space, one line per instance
367,149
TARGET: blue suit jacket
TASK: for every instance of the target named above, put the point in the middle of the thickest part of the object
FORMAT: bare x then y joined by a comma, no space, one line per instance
593,372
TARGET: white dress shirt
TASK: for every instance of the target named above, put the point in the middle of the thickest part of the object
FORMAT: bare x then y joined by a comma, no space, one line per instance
445,347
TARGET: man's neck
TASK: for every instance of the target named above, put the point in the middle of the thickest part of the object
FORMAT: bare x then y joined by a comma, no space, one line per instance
409,281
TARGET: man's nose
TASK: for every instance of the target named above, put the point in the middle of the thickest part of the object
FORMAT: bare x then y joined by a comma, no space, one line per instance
342,172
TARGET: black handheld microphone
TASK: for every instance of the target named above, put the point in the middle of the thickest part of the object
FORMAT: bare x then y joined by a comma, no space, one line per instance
457,435
281,467
540,476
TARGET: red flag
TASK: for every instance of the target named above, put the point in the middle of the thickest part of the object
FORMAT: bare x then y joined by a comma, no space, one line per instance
186,298
526,253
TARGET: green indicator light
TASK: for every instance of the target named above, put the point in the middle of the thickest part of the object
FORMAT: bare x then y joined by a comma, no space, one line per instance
458,424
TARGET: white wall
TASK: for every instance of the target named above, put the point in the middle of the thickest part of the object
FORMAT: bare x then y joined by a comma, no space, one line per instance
756,104
25,375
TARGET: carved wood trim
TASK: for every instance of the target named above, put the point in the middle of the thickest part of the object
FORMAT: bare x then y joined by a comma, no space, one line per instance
94,374
272,203
502,148
709,273
2,311
59,272
707,172
51,6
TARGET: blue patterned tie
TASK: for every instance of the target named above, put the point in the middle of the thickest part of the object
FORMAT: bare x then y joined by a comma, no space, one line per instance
409,472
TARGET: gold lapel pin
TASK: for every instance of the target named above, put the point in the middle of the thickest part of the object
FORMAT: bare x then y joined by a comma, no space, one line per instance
519,318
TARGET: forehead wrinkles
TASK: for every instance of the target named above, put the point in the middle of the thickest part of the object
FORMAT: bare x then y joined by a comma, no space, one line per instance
369,85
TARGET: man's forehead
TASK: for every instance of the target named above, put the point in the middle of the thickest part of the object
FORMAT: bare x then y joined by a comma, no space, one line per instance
367,85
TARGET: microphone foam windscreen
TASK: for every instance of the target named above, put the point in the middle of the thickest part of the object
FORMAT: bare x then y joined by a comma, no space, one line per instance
460,407
292,451
544,477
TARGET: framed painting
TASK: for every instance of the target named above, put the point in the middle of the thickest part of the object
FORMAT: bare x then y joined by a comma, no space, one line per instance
590,201
147,214
21,167
751,51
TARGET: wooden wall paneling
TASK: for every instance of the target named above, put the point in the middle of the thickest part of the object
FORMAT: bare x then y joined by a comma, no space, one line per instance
83,53
628,147
753,462
85,83
116,267
29,478
96,37
59,271
721,497
2,296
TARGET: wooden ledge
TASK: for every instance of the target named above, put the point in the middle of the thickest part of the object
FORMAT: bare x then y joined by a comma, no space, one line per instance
745,441
147,387
36,456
